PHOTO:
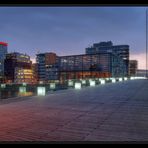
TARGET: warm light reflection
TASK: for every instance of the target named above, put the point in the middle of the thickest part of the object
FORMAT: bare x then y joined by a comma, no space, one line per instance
25,94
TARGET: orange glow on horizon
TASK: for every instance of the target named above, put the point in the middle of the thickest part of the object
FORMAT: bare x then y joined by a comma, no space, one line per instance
33,60
141,58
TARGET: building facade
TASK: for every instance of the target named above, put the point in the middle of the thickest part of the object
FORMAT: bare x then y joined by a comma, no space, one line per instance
3,52
13,62
133,67
35,70
100,61
142,73
47,66
23,75
108,47
100,65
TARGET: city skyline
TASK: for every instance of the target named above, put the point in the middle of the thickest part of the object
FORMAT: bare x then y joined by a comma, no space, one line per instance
69,30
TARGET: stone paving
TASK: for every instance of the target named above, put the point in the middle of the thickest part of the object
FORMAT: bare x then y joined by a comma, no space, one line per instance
110,112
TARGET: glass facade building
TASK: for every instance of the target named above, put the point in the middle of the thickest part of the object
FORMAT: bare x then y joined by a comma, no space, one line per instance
100,61
107,47
101,65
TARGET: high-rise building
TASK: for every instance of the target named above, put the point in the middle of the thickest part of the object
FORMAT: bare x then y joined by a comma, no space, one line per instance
47,66
3,52
133,66
15,61
108,47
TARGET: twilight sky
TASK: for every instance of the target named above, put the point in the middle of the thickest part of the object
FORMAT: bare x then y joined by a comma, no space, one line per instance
69,30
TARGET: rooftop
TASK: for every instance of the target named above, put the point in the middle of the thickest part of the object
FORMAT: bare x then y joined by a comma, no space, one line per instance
3,43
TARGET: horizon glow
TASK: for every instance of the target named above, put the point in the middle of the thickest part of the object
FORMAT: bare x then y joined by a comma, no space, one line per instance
69,30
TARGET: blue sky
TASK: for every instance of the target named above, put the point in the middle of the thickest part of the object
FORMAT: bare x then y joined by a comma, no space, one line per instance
69,30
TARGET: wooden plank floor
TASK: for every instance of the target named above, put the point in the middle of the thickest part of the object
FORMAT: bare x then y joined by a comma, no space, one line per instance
110,112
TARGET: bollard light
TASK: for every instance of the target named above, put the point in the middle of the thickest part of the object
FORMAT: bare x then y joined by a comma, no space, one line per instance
102,81
120,79
24,84
70,83
22,90
113,80
78,85
83,81
52,85
125,78
92,83
107,79
3,85
41,91
132,78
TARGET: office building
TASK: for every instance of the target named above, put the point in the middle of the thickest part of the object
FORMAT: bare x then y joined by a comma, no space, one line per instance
3,52
35,70
100,65
133,66
14,61
23,75
47,66
108,47
102,60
